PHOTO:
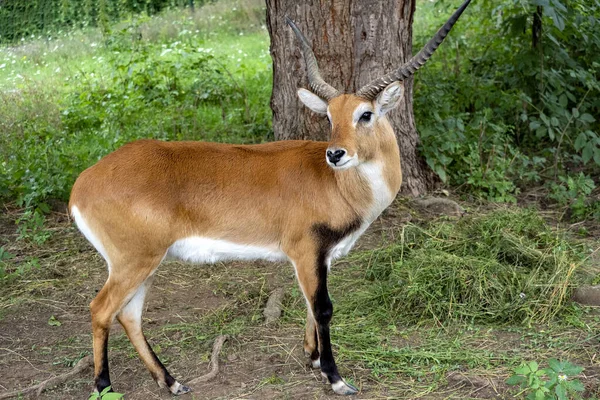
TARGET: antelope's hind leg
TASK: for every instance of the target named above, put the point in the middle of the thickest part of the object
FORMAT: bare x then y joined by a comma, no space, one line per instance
312,277
311,341
116,292
130,318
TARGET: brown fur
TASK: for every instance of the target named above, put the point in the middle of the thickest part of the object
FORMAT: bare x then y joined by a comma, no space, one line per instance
148,194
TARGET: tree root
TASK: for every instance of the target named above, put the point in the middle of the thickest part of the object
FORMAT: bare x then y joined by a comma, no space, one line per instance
81,366
214,361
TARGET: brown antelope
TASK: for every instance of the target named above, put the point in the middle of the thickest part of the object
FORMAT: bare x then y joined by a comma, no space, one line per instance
303,201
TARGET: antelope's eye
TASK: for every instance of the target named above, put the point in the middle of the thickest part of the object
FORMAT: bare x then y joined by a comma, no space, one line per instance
366,116
328,120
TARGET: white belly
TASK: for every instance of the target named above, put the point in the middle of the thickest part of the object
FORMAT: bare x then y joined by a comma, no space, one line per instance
204,250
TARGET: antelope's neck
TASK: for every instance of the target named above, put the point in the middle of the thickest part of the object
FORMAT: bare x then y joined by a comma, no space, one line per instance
372,186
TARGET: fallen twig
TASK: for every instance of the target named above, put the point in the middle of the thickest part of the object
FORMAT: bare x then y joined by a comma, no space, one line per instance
214,361
81,366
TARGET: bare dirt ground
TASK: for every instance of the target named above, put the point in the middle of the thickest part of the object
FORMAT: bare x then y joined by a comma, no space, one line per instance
45,327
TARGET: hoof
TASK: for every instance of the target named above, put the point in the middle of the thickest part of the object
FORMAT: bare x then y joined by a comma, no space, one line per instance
343,388
178,389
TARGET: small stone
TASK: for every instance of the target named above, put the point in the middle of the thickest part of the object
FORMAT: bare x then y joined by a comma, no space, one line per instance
587,295
272,311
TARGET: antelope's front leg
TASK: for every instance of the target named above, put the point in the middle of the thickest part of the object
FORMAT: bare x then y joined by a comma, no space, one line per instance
312,277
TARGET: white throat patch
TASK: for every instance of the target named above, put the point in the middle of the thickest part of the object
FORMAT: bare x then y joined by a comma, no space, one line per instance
382,198
372,172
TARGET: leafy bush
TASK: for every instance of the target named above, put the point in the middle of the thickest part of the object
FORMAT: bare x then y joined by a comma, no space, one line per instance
505,267
32,226
574,192
510,98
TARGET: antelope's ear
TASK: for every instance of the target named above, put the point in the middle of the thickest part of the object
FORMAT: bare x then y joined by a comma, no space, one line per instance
389,98
312,101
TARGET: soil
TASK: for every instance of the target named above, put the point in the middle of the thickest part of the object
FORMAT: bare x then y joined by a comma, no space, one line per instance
45,326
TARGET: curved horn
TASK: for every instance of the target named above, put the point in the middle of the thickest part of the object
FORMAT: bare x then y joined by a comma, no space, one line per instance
317,84
371,90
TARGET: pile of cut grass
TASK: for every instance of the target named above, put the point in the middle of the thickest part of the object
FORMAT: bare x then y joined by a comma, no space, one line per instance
508,266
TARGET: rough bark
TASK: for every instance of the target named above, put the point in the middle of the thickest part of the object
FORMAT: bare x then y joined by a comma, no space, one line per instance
355,43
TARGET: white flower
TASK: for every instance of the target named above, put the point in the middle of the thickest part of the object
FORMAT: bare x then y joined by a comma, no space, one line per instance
562,378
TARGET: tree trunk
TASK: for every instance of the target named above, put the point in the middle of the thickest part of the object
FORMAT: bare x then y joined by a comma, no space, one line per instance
355,43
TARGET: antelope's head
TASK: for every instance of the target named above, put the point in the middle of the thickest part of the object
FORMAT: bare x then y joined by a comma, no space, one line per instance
358,120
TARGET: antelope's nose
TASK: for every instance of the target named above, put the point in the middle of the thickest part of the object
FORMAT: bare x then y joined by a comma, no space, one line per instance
334,156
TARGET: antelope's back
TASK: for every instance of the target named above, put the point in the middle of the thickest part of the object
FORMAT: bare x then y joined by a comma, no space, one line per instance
209,189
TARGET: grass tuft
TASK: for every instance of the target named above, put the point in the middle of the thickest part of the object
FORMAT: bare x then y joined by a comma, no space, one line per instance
505,267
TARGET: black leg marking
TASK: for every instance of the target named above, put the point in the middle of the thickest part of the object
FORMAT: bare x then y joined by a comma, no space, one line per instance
168,379
174,386
103,379
323,314
327,238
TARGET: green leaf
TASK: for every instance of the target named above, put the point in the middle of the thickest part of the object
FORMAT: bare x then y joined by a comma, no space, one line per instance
441,173
587,118
575,112
575,385
516,380
112,396
580,142
568,368
559,5
541,131
597,156
561,392
533,125
563,101
105,391
533,366
587,153
52,321
555,365
539,394
522,369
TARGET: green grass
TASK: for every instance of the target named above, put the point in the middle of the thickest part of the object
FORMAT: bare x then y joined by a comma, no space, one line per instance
68,100
505,267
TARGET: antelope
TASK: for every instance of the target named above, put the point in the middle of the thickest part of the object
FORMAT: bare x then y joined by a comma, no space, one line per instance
303,201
